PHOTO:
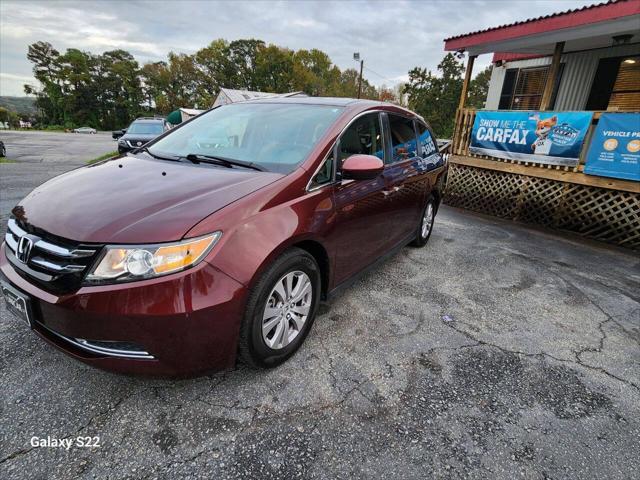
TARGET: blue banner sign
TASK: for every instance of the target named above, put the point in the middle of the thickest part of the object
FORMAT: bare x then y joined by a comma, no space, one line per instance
544,137
615,147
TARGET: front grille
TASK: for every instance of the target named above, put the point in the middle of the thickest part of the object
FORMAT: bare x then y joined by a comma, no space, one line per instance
134,143
56,264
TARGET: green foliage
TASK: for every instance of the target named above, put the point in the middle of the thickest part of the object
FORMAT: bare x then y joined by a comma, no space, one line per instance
436,96
9,116
79,88
478,89
102,157
108,91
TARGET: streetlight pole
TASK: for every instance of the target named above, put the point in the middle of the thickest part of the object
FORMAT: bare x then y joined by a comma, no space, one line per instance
356,57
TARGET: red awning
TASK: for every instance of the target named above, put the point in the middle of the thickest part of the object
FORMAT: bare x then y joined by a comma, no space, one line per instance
584,28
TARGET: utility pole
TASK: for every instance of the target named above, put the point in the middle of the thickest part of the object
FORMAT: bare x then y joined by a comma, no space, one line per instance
360,79
356,57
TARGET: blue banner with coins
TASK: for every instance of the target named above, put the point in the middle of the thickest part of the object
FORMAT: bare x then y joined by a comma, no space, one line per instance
615,147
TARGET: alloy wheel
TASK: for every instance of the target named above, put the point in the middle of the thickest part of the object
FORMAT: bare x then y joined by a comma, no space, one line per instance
287,308
427,220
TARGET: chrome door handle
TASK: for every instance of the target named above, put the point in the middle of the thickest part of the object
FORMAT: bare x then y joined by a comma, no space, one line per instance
395,189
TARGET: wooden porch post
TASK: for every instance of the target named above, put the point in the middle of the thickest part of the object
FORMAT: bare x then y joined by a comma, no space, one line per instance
552,77
467,79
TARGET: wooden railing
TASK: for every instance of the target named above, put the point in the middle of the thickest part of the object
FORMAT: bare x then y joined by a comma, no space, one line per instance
602,208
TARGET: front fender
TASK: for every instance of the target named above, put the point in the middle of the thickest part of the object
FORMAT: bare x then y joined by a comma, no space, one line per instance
251,242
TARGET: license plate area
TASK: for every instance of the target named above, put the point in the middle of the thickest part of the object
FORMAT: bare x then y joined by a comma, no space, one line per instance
17,303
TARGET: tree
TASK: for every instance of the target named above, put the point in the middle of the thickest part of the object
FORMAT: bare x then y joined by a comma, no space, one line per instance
387,95
242,56
118,89
109,90
436,96
9,116
50,100
215,70
478,89
156,83
273,69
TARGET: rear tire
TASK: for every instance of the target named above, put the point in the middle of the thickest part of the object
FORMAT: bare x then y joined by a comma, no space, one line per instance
275,325
425,227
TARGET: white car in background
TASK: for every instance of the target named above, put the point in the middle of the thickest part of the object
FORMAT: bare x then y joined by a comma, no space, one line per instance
84,130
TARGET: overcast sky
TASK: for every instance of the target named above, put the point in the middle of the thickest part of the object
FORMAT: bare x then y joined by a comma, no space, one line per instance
392,37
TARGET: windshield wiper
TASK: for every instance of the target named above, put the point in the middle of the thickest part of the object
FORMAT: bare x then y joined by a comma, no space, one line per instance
159,157
223,161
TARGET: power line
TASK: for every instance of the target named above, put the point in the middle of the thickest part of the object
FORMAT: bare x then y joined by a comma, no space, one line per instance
381,76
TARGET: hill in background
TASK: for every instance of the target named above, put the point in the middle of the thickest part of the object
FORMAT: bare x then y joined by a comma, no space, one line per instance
20,105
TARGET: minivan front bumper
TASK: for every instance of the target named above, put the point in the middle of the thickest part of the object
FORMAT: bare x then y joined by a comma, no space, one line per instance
178,325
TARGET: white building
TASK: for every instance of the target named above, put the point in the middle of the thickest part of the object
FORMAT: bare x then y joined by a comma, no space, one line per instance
228,95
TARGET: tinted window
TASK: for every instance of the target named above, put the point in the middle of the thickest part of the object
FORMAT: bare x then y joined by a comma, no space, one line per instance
362,137
145,128
403,137
426,141
276,136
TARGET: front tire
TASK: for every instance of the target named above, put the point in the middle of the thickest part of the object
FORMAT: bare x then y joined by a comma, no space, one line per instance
425,227
280,310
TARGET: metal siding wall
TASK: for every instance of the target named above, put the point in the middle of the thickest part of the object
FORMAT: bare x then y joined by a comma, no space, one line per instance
577,77
495,88
579,71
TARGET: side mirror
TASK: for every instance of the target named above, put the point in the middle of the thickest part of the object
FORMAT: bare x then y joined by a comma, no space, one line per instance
124,130
362,167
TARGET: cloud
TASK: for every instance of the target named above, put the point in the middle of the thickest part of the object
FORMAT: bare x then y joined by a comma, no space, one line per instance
392,37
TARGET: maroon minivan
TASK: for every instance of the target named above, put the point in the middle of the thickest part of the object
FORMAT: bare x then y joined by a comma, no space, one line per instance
220,237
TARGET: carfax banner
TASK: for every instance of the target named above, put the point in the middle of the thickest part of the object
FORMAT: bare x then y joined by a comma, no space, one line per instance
615,147
545,137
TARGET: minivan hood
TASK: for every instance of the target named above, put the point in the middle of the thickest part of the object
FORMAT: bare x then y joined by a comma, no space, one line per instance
135,199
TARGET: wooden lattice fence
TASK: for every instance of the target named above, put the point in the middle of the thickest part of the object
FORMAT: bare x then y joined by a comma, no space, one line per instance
604,214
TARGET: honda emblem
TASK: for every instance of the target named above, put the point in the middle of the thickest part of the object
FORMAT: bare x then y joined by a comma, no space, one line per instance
25,245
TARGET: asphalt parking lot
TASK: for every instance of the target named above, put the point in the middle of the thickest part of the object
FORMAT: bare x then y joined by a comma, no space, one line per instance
497,351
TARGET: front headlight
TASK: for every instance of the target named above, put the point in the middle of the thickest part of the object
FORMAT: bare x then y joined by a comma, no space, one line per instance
123,263
122,142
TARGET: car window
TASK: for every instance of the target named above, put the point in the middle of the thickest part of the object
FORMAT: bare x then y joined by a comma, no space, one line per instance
426,141
363,136
325,174
276,136
145,128
403,137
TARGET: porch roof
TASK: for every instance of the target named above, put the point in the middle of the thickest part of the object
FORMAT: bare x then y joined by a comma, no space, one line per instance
585,28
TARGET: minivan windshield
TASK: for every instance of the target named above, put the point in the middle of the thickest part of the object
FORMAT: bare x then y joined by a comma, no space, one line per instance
145,128
274,136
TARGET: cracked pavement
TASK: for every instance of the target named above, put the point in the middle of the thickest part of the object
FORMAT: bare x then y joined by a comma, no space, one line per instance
497,351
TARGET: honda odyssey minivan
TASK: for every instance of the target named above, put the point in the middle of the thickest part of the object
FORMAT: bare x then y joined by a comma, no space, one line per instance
219,238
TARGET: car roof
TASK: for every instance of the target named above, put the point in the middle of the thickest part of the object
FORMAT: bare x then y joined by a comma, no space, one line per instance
141,120
331,101
355,105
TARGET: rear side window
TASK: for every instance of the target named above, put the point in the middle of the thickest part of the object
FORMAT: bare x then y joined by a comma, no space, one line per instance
403,137
363,136
426,142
